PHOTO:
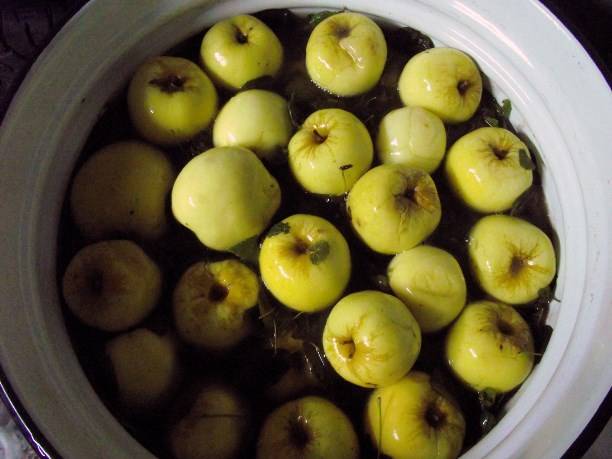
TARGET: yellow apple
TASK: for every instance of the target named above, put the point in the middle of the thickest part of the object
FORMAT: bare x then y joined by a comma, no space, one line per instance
145,367
210,302
346,54
490,347
225,196
430,282
415,418
485,170
240,49
111,285
371,339
511,258
309,427
445,81
393,208
330,152
411,136
254,119
122,190
214,428
305,262
170,100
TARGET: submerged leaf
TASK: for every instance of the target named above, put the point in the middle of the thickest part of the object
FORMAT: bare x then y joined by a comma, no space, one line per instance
247,250
318,252
525,160
279,228
506,108
315,18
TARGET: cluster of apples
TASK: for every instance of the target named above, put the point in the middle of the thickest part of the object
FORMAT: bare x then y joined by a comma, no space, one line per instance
227,196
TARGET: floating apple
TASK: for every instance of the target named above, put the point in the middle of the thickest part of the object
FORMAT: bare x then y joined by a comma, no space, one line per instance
430,282
214,428
254,119
511,258
111,285
445,81
415,418
170,100
346,54
330,152
122,190
490,347
210,302
489,168
309,427
145,367
371,338
394,207
411,136
240,49
305,262
225,196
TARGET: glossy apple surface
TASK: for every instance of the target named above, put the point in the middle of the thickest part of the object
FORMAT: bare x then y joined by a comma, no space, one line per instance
371,339
170,100
225,196
346,54
330,152
305,262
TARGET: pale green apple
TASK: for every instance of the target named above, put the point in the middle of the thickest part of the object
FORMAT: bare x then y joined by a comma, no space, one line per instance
145,367
445,81
305,262
511,258
254,119
490,347
214,428
170,100
346,54
225,196
415,418
485,170
393,208
111,285
309,427
330,152
210,302
240,49
411,136
122,190
430,282
371,338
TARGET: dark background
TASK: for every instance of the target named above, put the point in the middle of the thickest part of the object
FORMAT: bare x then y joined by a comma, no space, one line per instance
26,26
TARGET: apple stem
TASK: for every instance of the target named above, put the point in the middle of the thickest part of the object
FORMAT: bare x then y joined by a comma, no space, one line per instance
318,137
169,84
241,37
463,86
217,293
504,327
499,152
299,432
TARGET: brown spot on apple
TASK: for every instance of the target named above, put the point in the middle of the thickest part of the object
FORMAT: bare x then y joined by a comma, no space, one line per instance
169,84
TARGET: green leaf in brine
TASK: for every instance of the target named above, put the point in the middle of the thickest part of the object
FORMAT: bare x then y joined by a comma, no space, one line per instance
247,250
492,122
506,108
525,160
318,252
279,228
315,18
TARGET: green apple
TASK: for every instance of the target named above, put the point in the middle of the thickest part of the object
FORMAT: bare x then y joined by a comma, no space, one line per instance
214,428
371,338
445,81
394,208
346,54
225,196
145,367
254,119
411,136
486,169
430,282
309,427
490,347
122,190
511,258
240,49
111,285
330,152
170,100
305,262
415,418
210,302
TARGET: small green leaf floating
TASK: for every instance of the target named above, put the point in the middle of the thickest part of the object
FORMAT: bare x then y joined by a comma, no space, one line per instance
279,228
525,160
491,121
315,18
247,250
318,252
506,108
